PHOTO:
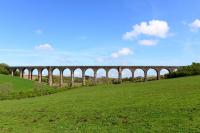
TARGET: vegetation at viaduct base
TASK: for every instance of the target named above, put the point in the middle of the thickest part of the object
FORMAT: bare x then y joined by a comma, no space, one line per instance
190,70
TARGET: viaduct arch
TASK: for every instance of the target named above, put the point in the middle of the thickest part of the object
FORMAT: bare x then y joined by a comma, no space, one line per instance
61,69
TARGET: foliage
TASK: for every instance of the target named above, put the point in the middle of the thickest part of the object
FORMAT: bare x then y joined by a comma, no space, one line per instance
17,73
89,82
115,81
4,69
45,79
190,70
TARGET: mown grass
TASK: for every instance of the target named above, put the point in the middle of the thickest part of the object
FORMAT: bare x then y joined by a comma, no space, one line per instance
159,106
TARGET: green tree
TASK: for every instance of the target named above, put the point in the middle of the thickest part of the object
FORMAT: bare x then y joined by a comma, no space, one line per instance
4,69
190,70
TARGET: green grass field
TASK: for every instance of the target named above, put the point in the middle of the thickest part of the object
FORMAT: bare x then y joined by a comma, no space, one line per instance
18,84
171,105
17,88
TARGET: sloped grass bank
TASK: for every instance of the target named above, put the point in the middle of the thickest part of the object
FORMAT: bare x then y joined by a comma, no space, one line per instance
17,88
160,106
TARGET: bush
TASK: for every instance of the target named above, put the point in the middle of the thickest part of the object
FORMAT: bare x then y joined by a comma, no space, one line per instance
17,73
4,69
115,81
102,80
45,79
190,70
126,79
89,82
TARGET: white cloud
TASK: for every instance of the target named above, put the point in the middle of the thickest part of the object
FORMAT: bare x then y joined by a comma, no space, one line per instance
45,47
122,52
157,28
195,25
148,42
39,31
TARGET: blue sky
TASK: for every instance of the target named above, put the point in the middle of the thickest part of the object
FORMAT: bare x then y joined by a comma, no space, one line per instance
99,32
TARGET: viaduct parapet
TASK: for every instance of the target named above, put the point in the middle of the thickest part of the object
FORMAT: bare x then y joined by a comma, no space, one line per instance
61,69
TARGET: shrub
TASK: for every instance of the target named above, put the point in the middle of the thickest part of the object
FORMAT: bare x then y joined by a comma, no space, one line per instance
190,70
115,81
45,79
4,69
89,82
38,87
16,73
127,79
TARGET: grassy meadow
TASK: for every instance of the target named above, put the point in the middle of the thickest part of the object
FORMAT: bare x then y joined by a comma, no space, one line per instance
17,88
171,105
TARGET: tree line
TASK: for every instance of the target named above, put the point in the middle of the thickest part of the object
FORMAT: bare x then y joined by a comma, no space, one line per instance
193,69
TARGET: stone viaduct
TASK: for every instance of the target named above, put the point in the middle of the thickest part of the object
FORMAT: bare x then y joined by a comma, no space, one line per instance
50,69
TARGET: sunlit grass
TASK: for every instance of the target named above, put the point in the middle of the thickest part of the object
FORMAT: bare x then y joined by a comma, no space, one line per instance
157,106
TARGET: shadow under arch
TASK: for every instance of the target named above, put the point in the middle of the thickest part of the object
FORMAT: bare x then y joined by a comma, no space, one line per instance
16,72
